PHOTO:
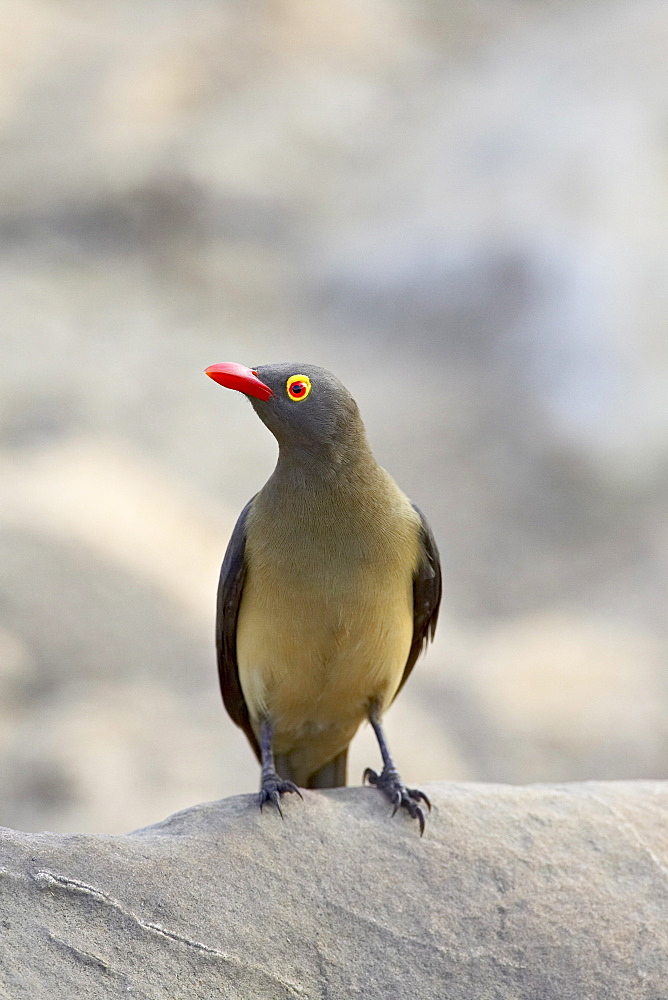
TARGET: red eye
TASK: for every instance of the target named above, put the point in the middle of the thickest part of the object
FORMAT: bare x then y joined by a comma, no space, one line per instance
298,387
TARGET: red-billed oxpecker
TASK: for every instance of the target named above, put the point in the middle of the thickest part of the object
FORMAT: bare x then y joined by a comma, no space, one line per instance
329,589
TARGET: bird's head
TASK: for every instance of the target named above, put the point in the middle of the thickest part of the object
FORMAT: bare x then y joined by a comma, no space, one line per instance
307,409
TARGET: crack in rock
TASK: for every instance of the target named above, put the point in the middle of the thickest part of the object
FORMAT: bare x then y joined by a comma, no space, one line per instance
48,878
85,957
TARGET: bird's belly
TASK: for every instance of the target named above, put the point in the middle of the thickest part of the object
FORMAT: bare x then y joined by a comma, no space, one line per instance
312,661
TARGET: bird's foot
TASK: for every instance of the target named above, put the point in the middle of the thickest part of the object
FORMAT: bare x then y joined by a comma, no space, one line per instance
272,787
391,785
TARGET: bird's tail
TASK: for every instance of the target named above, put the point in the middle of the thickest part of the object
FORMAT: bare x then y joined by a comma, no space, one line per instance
330,775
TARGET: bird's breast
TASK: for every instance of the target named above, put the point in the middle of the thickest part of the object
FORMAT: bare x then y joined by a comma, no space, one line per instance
326,618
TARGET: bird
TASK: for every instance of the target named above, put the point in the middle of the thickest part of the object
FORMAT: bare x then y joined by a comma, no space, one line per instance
329,590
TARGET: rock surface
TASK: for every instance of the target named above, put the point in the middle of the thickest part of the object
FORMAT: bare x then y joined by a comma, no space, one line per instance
551,892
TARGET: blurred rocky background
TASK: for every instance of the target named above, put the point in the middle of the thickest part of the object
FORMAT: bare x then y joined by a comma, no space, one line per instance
462,210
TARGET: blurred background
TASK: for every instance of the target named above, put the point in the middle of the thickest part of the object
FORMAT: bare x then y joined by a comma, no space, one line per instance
462,210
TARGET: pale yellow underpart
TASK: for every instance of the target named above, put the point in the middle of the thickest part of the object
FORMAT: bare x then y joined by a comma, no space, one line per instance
326,618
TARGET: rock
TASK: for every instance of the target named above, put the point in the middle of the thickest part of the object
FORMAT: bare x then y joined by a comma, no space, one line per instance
551,892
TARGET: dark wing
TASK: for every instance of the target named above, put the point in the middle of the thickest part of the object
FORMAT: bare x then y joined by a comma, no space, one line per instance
230,589
426,596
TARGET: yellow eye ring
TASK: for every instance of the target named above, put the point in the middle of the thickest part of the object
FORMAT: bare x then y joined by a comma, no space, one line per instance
298,387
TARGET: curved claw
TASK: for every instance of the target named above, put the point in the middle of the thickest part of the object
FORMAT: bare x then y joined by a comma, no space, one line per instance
370,775
419,815
272,797
416,794
272,788
416,812
400,797
289,786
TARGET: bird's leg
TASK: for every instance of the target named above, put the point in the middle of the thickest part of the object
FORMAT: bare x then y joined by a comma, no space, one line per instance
272,786
389,781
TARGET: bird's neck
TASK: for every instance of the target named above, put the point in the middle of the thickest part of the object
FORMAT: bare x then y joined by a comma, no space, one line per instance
344,462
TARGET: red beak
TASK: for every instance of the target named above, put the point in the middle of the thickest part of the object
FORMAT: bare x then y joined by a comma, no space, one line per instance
240,378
